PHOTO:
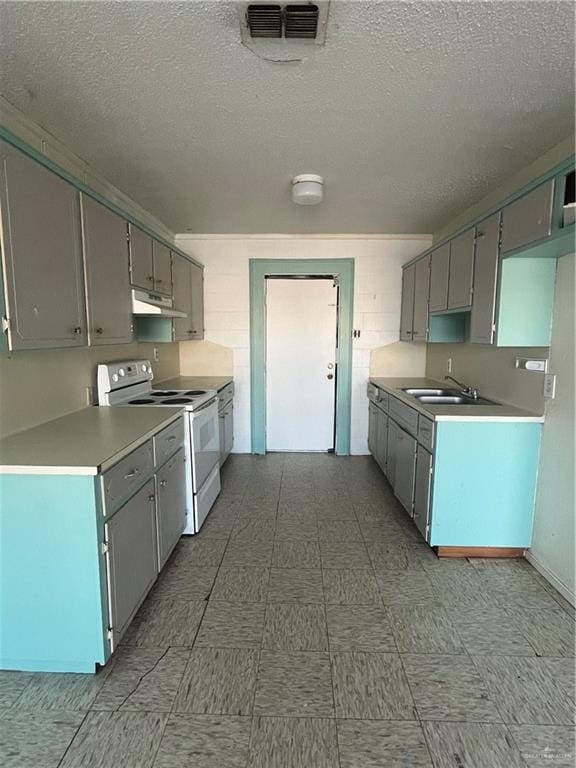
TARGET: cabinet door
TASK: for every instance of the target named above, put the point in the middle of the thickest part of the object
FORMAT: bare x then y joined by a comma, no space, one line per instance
141,259
229,429
222,435
421,295
439,270
485,281
382,443
372,428
162,260
529,218
105,248
197,317
404,470
42,246
461,270
132,557
170,505
391,450
182,287
422,487
407,311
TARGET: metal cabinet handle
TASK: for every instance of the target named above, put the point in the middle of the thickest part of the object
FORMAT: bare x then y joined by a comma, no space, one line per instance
480,235
151,497
99,331
163,483
171,438
77,330
132,473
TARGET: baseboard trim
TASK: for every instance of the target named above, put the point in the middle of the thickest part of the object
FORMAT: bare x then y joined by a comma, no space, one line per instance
516,552
558,585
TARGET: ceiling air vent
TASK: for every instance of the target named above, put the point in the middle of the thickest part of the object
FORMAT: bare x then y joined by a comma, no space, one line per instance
301,21
264,20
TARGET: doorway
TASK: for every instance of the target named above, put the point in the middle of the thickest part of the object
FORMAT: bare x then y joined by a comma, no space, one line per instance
301,362
340,270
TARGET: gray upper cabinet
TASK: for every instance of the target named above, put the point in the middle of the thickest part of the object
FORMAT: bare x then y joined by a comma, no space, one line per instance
461,270
407,311
162,261
485,281
109,311
141,259
42,249
529,218
421,294
439,272
197,316
182,283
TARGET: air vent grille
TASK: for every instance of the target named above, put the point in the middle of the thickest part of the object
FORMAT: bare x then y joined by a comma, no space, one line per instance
264,20
301,21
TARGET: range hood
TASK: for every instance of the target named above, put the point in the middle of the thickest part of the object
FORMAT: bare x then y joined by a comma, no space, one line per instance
146,304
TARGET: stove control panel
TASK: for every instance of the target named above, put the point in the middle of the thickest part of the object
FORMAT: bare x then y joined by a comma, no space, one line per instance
113,376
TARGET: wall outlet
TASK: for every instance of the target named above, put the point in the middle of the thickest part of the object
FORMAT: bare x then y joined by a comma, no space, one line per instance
550,386
449,365
156,354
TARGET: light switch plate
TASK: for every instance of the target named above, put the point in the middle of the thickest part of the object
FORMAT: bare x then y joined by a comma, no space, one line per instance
550,386
449,365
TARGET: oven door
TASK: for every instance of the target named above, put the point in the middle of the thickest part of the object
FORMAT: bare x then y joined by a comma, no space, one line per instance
205,440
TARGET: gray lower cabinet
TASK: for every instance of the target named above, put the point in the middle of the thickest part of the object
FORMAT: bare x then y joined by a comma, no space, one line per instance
439,274
141,259
372,428
382,441
197,316
170,504
422,489
132,557
391,445
461,271
228,429
162,262
482,316
182,286
529,218
42,250
407,310
108,306
421,296
404,468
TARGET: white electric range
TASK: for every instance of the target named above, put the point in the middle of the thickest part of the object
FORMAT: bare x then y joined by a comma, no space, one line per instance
130,383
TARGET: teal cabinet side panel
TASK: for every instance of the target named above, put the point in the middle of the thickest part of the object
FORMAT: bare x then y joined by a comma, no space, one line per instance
526,302
484,484
52,613
155,329
448,327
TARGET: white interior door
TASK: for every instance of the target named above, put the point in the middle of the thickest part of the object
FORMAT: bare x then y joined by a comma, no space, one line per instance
301,328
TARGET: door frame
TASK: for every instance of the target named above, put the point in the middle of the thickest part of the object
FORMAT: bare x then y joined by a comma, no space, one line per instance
343,269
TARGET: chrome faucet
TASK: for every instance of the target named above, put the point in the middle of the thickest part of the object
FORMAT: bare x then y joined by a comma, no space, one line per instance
466,389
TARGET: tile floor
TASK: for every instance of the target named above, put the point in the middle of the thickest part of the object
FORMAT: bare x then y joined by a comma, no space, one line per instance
308,626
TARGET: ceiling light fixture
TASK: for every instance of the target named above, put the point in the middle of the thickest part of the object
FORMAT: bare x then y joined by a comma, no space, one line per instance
307,189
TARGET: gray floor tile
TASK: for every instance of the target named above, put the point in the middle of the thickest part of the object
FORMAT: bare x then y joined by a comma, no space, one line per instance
218,681
371,686
408,586
382,744
295,627
185,581
231,625
36,739
254,554
490,631
296,530
344,554
279,742
143,679
294,684
338,531
549,632
359,628
292,585
460,586
418,629
111,739
516,590
471,745
448,688
12,685
387,557
240,585
545,746
296,554
253,530
204,741
61,691
162,622
563,672
526,690
199,551
349,587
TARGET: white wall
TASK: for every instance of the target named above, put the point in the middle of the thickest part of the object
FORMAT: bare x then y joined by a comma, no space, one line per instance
552,549
378,262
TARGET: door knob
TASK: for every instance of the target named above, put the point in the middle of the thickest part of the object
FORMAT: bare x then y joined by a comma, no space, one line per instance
330,376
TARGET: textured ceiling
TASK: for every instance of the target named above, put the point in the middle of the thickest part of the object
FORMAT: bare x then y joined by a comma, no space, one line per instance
411,111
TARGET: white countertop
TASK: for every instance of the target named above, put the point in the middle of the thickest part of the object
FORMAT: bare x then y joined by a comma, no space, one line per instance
194,382
82,443
499,412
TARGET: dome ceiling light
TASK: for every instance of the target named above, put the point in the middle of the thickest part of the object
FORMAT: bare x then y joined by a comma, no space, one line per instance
307,189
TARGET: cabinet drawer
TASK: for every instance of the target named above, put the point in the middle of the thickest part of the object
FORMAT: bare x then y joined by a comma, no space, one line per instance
372,392
124,478
425,432
405,416
167,441
383,400
227,393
